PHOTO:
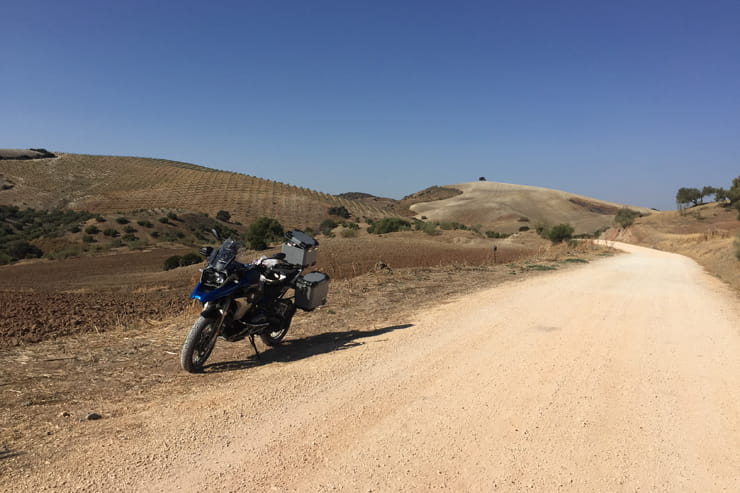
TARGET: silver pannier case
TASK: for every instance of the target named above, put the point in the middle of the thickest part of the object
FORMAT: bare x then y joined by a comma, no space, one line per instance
311,290
299,248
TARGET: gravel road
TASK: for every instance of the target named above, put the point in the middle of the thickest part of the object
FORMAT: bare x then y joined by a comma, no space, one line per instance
622,375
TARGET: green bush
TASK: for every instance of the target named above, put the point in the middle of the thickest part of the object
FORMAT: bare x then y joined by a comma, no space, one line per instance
100,219
115,243
122,220
145,224
172,262
190,259
560,233
523,228
496,234
129,229
224,216
263,231
92,230
389,225
340,211
88,239
349,233
154,234
164,220
75,229
626,217
173,216
112,232
130,237
18,250
327,225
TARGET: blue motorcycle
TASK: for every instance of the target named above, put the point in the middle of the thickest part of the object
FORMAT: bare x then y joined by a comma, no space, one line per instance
247,300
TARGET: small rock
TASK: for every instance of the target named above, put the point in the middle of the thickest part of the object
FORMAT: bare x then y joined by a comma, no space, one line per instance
65,414
93,416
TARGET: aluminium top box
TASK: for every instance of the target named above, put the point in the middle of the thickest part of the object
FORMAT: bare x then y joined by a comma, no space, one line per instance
299,248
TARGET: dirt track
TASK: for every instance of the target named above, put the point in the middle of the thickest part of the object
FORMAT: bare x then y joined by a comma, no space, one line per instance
623,375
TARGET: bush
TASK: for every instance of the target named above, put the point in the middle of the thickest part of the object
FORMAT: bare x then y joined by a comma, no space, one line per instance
74,229
190,259
92,230
130,237
340,211
164,220
263,231
327,225
560,233
172,262
154,234
88,239
496,234
626,217
389,225
523,228
145,224
111,232
349,233
173,216
17,250
737,247
100,219
122,220
224,216
129,229
115,243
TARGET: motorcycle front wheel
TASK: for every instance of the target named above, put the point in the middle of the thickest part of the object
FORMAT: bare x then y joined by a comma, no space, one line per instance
198,344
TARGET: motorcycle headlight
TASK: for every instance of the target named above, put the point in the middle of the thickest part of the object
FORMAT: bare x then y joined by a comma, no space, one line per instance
213,278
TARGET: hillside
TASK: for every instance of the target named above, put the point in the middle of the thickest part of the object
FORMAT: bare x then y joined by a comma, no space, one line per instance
109,184
509,208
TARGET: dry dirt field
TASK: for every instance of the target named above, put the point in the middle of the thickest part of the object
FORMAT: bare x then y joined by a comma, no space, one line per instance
617,375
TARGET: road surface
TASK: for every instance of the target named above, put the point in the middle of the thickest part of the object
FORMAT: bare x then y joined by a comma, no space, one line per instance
623,375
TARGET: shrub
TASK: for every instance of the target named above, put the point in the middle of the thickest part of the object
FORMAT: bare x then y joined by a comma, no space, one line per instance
88,239
352,225
17,250
172,262
560,233
349,233
626,217
340,211
389,225
173,216
496,234
130,237
111,232
129,229
736,243
523,228
100,219
154,234
122,220
92,230
224,216
327,225
115,243
74,229
262,232
145,224
164,220
190,259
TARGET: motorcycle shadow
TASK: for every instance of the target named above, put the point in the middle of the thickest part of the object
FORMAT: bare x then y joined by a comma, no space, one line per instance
304,347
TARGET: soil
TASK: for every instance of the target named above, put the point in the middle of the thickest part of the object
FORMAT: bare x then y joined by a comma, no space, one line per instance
618,375
49,388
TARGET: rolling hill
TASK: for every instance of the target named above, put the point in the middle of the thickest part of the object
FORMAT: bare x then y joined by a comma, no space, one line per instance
508,208
109,184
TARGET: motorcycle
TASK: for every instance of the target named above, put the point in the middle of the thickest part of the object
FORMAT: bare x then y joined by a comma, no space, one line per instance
248,300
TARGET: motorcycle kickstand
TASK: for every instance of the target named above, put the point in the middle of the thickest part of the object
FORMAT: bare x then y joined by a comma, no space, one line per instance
256,351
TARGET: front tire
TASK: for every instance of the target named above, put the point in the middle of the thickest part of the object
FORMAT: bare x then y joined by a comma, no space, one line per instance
198,344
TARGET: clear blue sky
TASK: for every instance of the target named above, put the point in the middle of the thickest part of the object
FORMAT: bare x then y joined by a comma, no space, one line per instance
623,101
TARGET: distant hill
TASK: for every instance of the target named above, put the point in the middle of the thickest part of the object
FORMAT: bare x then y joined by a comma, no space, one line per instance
108,184
507,208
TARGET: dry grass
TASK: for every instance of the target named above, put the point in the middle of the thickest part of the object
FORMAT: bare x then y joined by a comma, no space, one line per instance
505,208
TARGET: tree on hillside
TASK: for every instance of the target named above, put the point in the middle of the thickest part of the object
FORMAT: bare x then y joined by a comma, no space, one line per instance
707,191
560,233
688,195
625,217
263,231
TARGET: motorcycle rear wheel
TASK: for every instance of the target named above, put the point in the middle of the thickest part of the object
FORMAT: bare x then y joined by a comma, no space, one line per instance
199,344
273,337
